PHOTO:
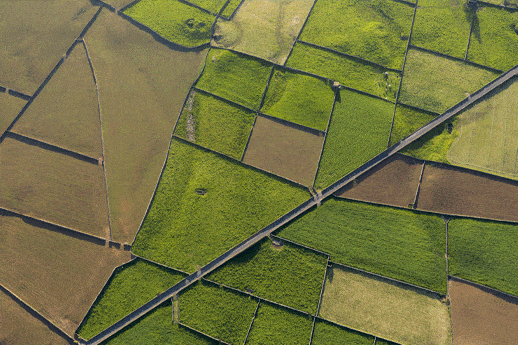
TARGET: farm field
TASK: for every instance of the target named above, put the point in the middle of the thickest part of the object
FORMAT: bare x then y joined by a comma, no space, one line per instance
355,119
393,182
211,5
66,113
406,121
232,6
263,28
218,125
482,317
508,3
11,107
349,72
385,309
221,217
284,150
328,334
409,246
58,274
118,4
53,187
288,275
135,142
375,30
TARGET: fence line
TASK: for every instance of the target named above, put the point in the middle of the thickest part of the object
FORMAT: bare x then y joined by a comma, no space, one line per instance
337,93
300,31
3,89
18,94
411,4
429,112
319,301
300,245
249,137
204,334
252,322
159,264
188,3
295,125
266,88
223,99
414,206
104,4
365,93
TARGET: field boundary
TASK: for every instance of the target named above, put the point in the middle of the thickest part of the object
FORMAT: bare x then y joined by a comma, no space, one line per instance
416,198
488,4
498,293
325,139
411,4
429,112
201,333
229,18
293,125
300,32
319,302
365,93
18,94
223,99
101,3
252,322
201,8
249,137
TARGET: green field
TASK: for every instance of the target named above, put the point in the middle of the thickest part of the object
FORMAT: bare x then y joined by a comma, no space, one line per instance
376,30
131,286
396,243
186,230
299,98
231,7
276,325
443,26
359,130
328,334
349,72
220,313
174,20
212,5
215,124
288,275
483,252
508,3
494,40
11,107
236,77
406,121
436,83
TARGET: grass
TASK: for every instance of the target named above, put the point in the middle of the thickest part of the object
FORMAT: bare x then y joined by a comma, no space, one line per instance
508,3
231,7
220,313
388,310
328,334
174,20
299,98
376,30
276,325
406,121
481,251
131,286
443,26
212,5
215,124
399,244
359,130
186,230
349,72
236,77
11,107
436,83
288,275
495,38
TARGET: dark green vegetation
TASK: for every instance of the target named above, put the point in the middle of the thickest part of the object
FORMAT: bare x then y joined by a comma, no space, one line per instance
484,252
400,244
206,204
231,7
328,334
11,107
275,325
376,30
406,121
359,130
494,41
443,26
215,124
436,83
131,286
174,20
299,98
234,76
288,275
212,5
221,313
349,72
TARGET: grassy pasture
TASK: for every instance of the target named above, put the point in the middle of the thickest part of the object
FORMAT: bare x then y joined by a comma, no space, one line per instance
388,310
376,30
288,275
397,243
299,98
508,3
482,251
11,107
236,77
118,3
174,20
186,230
231,7
212,5
356,117
406,121
215,124
328,334
131,287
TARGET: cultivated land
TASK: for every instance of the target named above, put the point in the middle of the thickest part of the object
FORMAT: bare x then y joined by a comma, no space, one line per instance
232,6
375,30
263,28
406,121
66,113
408,246
284,150
205,204
141,90
482,317
218,125
358,131
118,3
212,5
385,309
11,107
328,334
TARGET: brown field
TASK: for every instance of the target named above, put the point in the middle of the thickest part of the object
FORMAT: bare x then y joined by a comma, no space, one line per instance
35,37
451,190
58,275
393,182
481,317
10,107
284,150
65,113
118,3
53,187
142,86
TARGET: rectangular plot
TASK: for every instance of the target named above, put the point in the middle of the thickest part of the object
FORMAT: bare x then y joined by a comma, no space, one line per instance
328,334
